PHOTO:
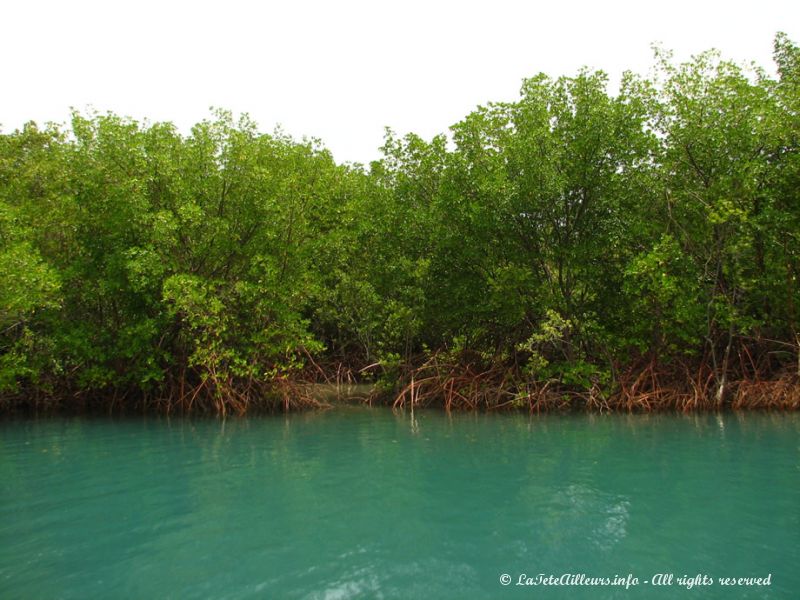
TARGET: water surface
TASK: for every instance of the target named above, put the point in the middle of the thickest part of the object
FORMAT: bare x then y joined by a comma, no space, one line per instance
367,503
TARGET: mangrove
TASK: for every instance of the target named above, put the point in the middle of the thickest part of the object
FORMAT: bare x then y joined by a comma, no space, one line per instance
630,250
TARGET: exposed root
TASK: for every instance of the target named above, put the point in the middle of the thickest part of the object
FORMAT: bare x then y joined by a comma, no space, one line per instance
464,383
647,387
782,394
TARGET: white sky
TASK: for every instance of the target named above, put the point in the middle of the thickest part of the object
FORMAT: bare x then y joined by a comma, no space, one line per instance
342,70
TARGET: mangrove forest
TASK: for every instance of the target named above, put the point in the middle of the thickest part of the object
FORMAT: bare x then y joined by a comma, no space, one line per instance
631,249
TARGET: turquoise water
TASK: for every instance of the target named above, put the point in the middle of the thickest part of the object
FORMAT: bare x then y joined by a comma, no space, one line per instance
366,503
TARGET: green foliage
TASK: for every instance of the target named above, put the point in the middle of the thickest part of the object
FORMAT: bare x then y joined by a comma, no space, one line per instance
663,288
563,236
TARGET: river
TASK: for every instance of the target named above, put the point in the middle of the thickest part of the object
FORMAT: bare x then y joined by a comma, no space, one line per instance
368,503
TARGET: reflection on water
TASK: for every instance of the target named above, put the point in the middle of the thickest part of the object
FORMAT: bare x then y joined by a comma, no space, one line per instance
605,514
358,502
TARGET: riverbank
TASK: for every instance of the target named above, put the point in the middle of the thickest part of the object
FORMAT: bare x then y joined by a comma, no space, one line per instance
461,391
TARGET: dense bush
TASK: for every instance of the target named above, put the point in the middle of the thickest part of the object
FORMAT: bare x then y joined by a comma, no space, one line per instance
572,241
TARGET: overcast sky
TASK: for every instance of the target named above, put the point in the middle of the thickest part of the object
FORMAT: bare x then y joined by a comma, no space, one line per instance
342,70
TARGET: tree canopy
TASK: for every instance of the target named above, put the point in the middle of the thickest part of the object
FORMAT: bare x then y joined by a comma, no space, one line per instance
635,250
